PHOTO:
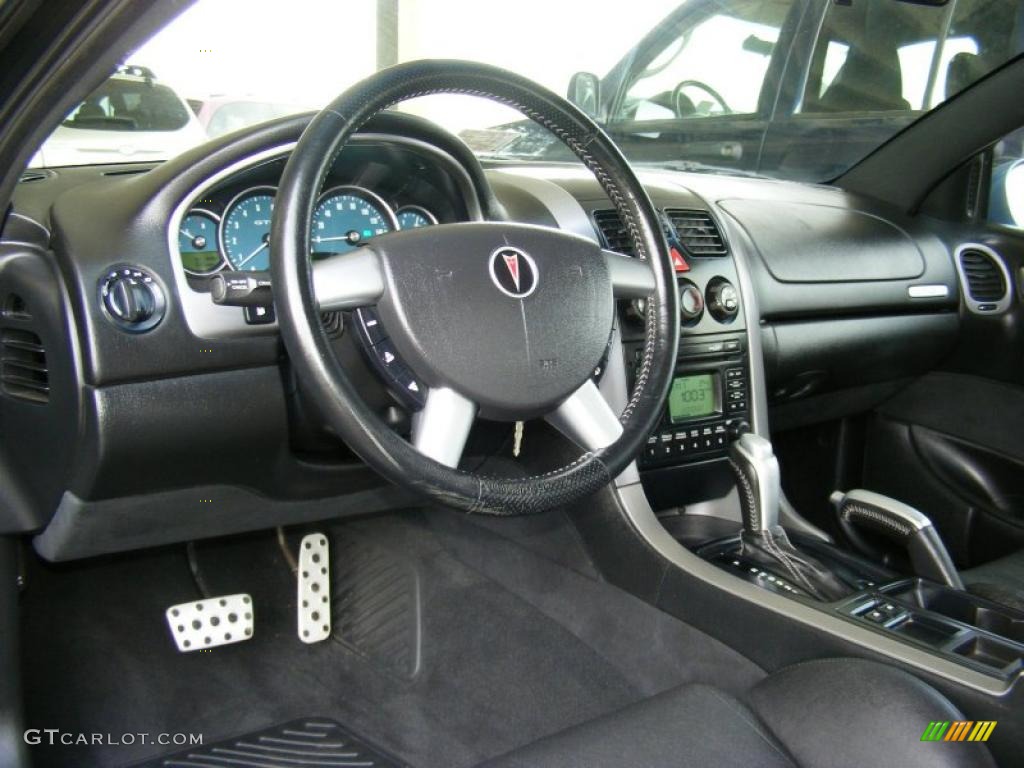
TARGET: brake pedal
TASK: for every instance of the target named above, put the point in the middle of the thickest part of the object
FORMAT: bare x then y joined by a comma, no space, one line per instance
209,623
314,579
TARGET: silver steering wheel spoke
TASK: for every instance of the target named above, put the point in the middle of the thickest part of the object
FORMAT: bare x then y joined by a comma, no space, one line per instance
348,281
587,419
631,278
441,429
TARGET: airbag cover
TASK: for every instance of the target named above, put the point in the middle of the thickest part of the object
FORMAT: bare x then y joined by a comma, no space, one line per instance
514,317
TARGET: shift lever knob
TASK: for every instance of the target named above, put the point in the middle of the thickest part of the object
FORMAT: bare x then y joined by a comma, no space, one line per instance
757,472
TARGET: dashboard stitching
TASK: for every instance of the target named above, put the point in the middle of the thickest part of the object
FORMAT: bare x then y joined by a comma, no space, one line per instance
852,510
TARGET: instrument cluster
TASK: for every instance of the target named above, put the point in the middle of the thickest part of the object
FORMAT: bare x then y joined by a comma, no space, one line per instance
234,233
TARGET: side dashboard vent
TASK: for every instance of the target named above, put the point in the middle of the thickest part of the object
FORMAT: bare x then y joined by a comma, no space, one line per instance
34,174
697,232
984,277
613,232
23,371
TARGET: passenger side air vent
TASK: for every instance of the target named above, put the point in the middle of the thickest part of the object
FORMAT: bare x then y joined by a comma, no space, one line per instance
23,371
613,232
985,279
697,232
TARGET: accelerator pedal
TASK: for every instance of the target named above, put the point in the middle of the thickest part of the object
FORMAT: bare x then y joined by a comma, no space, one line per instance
299,744
208,623
314,580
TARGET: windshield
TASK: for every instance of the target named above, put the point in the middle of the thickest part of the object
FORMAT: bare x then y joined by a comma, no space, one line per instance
796,89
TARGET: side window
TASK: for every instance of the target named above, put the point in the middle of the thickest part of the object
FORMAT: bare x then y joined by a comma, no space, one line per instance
904,57
1006,198
715,67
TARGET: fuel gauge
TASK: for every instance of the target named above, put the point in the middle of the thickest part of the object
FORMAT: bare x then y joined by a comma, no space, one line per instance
197,243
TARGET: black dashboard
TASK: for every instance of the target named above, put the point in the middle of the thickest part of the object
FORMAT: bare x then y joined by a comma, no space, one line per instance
197,423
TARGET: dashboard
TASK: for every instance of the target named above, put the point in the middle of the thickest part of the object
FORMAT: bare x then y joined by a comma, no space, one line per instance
202,404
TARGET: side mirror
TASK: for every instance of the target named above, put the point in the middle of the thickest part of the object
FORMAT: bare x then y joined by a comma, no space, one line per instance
585,93
1006,205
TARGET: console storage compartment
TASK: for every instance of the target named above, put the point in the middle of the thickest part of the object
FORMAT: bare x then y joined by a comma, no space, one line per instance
958,625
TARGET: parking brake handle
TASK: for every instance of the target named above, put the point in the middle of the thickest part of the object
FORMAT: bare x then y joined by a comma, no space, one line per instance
860,509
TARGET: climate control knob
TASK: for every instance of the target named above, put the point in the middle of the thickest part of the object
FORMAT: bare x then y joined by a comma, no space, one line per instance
723,300
691,303
132,299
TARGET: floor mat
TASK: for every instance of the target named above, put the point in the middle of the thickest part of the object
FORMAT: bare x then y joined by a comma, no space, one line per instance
477,646
375,601
307,743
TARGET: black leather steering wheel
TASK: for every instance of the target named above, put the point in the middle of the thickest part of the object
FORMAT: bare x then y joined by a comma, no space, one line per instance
678,96
500,320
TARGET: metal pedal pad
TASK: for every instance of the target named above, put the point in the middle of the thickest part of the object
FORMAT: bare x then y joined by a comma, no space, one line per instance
208,623
314,579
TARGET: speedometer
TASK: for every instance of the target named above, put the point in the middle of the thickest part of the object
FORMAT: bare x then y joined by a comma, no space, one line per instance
346,217
245,229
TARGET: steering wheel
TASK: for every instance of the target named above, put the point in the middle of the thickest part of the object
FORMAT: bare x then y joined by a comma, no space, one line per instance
499,320
678,96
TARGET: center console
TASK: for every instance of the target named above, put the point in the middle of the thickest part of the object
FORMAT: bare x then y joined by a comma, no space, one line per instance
707,404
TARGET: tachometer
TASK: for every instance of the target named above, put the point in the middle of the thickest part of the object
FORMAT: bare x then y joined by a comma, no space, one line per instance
197,243
346,217
245,229
413,217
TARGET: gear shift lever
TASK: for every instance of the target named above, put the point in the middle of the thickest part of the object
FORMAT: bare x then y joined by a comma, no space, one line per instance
763,540
757,470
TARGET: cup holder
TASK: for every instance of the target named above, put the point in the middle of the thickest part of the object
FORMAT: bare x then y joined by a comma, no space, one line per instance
965,608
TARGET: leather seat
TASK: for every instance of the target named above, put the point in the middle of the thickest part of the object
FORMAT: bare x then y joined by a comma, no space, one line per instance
1001,581
831,712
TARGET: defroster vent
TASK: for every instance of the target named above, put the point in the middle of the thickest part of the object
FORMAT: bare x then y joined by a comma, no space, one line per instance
23,371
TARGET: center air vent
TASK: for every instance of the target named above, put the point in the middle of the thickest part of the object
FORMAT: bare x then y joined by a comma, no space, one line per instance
697,232
985,279
615,235
23,371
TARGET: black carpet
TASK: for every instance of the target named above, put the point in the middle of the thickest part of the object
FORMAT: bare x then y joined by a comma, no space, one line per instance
453,642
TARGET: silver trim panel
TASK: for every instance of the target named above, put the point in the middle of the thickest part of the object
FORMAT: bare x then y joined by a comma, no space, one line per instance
441,429
587,419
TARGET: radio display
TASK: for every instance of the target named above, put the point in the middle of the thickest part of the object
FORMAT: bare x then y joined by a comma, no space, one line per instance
692,397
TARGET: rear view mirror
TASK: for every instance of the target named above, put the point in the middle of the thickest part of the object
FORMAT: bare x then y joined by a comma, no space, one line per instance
755,44
585,93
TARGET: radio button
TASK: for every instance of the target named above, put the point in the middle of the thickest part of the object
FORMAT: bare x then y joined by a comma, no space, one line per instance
737,384
737,406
